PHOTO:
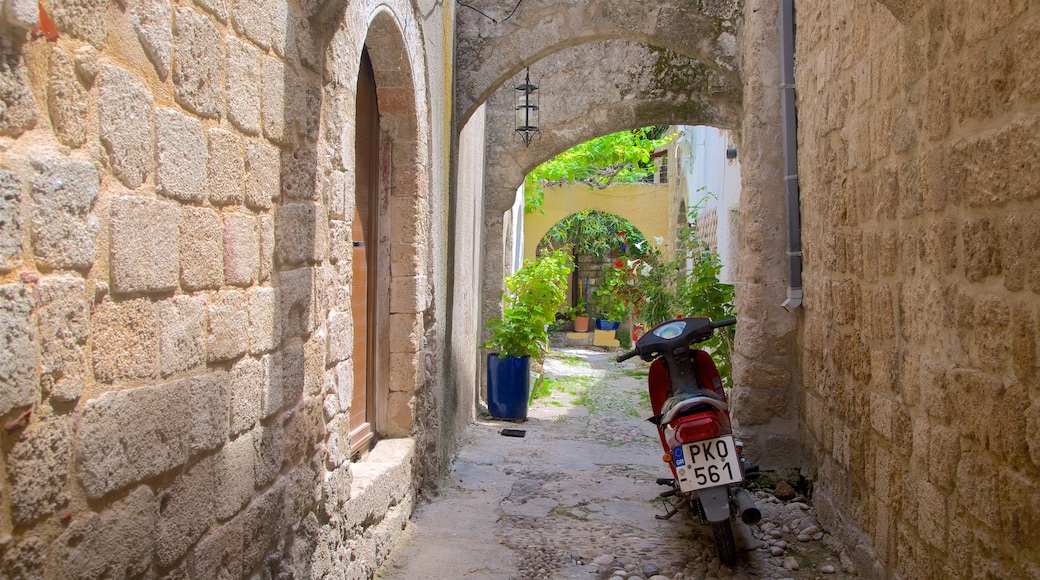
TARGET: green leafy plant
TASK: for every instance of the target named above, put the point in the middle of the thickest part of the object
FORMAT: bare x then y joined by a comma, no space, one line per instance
609,298
622,157
533,295
596,233
687,285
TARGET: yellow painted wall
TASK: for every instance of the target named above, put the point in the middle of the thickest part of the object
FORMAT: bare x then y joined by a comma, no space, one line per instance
645,205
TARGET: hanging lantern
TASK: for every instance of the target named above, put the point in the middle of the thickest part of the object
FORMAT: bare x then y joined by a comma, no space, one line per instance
525,107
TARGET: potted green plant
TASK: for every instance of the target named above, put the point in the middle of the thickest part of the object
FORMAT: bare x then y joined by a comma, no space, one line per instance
533,295
580,316
611,307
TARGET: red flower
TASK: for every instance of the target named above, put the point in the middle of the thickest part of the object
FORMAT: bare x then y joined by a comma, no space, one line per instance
617,264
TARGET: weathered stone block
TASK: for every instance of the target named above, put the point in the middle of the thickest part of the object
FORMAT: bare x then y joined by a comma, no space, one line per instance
296,297
228,319
261,526
38,466
145,247
274,101
298,171
399,414
126,340
247,382
201,248
410,216
341,336
151,21
198,63
302,231
243,75
344,382
181,149
64,324
410,294
122,538
219,9
304,429
226,167
234,476
151,426
290,368
262,175
407,372
24,560
981,475
313,367
19,386
241,249
210,408
126,117
273,388
219,553
337,441
303,106
66,100
252,19
185,511
18,113
64,232
982,257
269,444
85,19
265,329
23,14
407,260
10,220
182,343
406,332
266,230
307,49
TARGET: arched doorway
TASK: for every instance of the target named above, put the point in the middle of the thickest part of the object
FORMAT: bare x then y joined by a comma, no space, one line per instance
369,285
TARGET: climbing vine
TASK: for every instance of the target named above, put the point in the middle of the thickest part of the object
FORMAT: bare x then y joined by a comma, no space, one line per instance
622,157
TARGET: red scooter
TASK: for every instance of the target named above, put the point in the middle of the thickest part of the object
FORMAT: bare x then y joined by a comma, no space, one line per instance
692,418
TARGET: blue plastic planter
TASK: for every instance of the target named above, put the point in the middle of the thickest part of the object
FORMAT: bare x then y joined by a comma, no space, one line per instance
606,324
509,386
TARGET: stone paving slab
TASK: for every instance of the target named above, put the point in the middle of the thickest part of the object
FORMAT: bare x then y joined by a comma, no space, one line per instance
576,499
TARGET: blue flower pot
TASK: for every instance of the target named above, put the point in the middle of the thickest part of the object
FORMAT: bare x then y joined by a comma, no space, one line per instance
606,324
508,386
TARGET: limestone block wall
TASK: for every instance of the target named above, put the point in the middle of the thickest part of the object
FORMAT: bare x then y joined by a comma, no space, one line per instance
919,142
176,196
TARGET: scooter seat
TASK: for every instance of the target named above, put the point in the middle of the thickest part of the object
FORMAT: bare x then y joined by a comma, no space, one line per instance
685,401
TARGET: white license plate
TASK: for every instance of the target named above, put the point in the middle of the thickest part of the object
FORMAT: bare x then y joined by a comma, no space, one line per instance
707,463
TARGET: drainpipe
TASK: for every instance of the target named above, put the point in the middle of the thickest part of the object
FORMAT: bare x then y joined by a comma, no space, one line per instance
788,123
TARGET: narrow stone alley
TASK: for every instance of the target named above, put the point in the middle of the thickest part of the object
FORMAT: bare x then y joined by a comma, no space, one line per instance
576,498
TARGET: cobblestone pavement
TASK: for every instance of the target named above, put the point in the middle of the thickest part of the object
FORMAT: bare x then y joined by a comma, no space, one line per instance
576,498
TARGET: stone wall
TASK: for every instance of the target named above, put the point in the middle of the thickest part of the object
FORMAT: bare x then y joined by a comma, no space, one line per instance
919,142
176,198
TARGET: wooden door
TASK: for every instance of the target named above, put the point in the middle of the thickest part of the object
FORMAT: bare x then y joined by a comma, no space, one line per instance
365,236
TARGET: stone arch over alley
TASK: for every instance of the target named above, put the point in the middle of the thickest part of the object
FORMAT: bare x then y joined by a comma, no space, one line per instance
695,64
177,185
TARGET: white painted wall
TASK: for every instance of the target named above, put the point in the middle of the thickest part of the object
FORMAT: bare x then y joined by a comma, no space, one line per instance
701,158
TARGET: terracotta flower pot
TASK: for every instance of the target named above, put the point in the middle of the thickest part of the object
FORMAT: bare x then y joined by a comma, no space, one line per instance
581,324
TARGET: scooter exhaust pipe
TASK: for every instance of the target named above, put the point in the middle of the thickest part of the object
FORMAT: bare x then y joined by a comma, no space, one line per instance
749,512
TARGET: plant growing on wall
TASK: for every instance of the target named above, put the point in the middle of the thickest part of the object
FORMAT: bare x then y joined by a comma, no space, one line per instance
687,285
622,157
533,295
596,233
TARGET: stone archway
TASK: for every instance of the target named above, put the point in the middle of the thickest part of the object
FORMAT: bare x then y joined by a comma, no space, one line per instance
720,68
401,205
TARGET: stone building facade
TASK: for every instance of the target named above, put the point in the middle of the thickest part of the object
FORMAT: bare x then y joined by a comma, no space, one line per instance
918,157
178,264
181,262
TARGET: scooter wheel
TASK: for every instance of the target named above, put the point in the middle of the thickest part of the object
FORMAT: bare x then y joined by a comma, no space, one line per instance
724,544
